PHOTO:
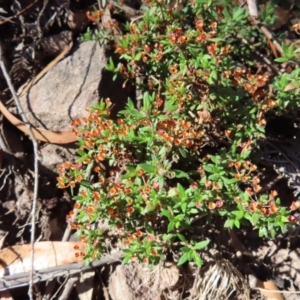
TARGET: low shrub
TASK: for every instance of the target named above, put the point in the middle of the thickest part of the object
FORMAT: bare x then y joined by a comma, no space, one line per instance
181,151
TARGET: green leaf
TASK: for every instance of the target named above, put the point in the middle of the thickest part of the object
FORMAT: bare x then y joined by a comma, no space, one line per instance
209,168
229,181
214,177
238,214
237,223
197,260
148,168
168,237
181,237
181,191
177,224
190,255
182,152
183,206
185,249
245,154
167,214
229,224
85,183
183,259
201,245
254,218
81,152
283,228
172,192
79,198
181,174
128,175
146,101
126,259
238,14
135,113
216,159
281,59
290,52
171,226
170,106
149,207
162,151
262,232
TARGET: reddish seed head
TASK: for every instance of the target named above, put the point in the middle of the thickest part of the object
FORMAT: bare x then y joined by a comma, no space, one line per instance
219,203
198,204
293,219
212,205
154,252
295,205
150,238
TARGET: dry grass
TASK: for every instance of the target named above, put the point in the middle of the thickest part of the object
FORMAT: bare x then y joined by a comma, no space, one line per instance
219,280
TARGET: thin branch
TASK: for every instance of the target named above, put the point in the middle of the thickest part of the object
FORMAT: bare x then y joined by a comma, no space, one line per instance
21,279
263,28
31,5
69,285
130,12
36,173
38,22
252,7
68,230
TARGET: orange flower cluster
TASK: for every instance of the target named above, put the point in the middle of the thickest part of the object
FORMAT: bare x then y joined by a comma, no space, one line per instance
138,234
158,51
66,166
265,209
130,239
63,180
268,210
176,36
179,132
203,36
243,173
215,204
95,16
252,83
100,127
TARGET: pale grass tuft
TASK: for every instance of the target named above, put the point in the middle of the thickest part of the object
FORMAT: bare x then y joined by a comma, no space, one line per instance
219,280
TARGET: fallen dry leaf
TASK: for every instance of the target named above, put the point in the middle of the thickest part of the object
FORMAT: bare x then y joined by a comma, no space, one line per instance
16,259
54,137
274,293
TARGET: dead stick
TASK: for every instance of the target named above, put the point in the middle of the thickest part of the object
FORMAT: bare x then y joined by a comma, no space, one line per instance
68,288
264,30
20,12
36,170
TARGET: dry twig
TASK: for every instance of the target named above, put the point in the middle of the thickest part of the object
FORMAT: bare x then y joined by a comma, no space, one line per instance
252,7
263,28
36,158
20,12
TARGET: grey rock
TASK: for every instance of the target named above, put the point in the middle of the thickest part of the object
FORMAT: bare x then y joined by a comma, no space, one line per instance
69,87
53,156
